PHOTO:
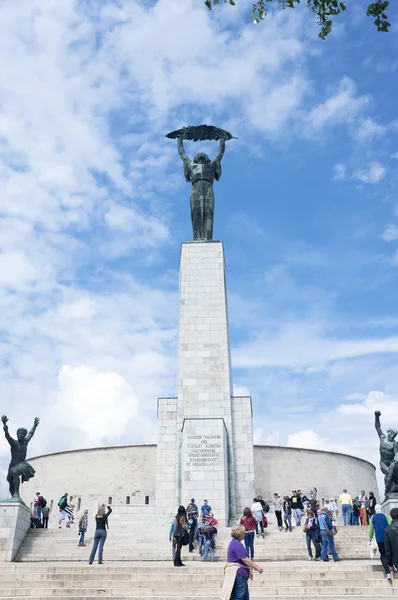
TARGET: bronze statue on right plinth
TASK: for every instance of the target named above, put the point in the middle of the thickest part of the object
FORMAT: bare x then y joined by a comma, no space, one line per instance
388,457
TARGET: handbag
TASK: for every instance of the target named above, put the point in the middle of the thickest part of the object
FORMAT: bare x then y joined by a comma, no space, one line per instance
181,534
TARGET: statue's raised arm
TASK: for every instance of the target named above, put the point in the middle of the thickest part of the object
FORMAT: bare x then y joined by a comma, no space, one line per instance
221,150
32,431
185,159
377,424
10,440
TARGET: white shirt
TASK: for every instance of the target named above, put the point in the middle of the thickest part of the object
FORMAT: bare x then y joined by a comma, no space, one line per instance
256,507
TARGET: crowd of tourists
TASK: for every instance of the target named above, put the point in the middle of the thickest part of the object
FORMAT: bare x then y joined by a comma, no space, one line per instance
191,527
197,528
40,515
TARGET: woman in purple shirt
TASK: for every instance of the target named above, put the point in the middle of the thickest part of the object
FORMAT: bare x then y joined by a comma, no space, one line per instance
238,554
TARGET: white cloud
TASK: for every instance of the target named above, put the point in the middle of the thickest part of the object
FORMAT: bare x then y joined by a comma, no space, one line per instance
368,129
102,403
307,438
317,346
390,233
340,172
16,270
341,107
374,400
374,173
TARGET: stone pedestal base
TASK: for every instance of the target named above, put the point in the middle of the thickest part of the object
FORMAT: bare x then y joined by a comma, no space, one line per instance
14,525
204,464
391,502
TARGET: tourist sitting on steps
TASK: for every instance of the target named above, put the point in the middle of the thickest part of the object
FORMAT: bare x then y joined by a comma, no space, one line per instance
249,523
377,526
257,511
181,534
237,569
35,522
101,520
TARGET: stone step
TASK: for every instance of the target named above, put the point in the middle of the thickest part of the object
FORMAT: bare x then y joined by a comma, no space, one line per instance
189,596
164,571
92,582
132,592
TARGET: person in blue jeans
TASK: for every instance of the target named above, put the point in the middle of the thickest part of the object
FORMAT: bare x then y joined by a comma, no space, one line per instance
311,529
238,554
287,513
326,528
101,520
83,524
249,523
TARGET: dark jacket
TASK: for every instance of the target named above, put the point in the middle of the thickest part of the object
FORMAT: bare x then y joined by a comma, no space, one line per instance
102,522
372,505
287,507
391,543
295,502
314,504
192,513
314,527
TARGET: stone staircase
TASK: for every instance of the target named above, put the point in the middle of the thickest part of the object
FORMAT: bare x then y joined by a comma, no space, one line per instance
137,557
142,539
139,581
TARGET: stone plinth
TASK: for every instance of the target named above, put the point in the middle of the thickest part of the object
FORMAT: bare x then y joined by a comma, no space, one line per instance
166,457
242,419
204,463
204,385
14,524
391,502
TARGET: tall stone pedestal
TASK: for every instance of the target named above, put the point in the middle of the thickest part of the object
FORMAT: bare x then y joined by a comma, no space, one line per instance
14,525
391,502
192,463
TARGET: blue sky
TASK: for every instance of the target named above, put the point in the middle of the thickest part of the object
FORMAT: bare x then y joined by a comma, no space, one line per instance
94,208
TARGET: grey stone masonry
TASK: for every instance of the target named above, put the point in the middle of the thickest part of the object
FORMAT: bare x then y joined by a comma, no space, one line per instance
166,457
204,386
14,525
204,463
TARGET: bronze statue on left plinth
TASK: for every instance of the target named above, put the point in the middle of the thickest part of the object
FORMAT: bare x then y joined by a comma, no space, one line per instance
19,470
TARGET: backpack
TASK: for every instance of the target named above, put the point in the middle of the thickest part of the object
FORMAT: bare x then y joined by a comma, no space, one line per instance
62,503
43,503
266,508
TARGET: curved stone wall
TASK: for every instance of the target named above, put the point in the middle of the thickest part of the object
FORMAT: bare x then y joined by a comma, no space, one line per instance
281,469
127,474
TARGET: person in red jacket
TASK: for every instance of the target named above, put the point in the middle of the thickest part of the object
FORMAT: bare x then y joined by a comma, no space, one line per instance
249,523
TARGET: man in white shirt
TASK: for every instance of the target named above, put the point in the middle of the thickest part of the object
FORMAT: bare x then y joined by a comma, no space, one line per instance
257,511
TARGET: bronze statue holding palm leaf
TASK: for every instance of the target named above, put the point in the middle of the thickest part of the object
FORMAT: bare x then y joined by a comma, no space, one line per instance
201,172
